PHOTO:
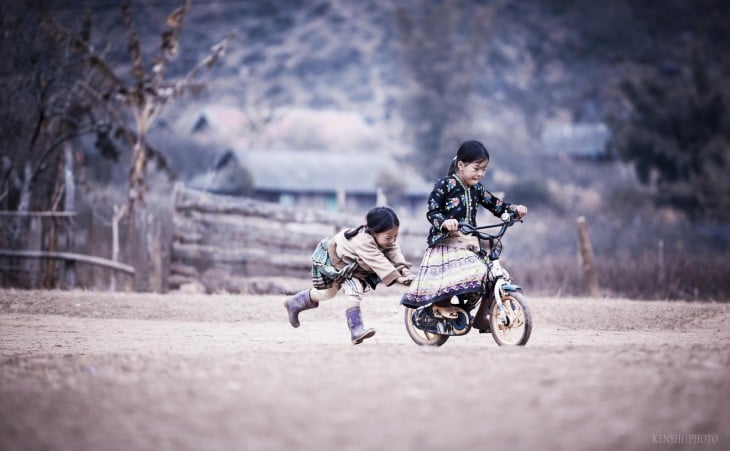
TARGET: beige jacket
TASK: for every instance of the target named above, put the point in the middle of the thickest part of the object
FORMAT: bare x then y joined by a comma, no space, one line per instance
388,263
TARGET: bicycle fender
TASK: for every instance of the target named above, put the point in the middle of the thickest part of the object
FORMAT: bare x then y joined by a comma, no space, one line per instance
511,287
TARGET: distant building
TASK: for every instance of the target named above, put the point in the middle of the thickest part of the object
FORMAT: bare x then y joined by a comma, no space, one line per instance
582,141
351,182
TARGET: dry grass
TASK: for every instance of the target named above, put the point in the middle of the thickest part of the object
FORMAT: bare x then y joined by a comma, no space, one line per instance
639,278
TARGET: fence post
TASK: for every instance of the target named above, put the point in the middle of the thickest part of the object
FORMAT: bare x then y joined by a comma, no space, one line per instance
587,260
341,200
35,243
154,250
116,217
661,274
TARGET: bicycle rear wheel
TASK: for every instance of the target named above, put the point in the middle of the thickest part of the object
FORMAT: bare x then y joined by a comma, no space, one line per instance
421,337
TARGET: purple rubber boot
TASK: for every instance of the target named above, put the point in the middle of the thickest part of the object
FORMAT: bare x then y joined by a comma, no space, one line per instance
297,303
354,321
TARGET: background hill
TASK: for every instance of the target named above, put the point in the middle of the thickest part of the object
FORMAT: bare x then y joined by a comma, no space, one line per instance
417,78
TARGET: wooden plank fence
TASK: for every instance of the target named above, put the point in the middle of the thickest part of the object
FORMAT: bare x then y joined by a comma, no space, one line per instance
235,244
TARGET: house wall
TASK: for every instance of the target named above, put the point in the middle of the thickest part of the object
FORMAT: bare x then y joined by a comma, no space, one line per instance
355,203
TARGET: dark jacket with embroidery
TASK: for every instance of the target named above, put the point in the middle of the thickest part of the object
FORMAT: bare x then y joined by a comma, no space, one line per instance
451,199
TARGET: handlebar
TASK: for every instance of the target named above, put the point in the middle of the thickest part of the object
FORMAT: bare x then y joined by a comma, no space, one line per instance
508,220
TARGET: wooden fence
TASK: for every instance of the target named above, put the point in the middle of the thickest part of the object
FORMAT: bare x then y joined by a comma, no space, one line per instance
37,250
235,244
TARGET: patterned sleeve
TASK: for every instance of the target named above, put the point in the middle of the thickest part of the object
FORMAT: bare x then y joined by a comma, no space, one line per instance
491,202
435,213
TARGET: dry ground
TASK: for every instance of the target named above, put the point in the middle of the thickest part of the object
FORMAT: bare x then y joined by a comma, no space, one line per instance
99,371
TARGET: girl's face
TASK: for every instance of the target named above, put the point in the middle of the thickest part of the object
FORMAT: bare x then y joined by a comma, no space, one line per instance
386,238
472,173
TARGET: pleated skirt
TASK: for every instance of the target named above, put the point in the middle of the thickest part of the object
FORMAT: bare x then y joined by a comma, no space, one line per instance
445,271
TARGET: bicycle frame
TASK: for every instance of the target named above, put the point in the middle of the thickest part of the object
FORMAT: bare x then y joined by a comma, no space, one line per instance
496,273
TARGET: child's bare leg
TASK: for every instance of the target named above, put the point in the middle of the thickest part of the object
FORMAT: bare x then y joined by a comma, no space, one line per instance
307,299
325,294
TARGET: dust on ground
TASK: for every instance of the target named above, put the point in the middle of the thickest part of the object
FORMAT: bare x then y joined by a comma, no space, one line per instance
125,371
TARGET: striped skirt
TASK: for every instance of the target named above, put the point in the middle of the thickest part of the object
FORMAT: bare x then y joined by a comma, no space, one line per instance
445,271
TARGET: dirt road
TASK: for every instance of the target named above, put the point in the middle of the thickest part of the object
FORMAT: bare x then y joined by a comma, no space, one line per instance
98,371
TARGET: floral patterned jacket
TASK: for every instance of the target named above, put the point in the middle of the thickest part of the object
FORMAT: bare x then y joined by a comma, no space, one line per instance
451,199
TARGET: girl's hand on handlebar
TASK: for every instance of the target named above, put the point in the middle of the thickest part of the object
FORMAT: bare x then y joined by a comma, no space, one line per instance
452,225
519,210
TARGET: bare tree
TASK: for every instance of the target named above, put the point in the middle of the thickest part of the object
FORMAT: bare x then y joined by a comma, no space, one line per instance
133,104
143,98
40,116
39,113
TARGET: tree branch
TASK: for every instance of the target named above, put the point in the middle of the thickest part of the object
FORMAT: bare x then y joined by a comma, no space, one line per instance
217,52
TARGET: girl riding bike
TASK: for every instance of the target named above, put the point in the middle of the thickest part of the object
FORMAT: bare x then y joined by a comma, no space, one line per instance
451,266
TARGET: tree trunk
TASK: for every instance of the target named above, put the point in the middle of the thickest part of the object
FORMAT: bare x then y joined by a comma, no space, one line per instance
137,185
50,279
26,190
69,205
35,240
137,237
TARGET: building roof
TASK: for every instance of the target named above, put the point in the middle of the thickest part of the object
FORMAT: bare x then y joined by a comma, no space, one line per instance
318,171
583,139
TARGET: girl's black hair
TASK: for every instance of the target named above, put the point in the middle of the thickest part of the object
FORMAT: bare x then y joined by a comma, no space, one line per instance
378,219
469,152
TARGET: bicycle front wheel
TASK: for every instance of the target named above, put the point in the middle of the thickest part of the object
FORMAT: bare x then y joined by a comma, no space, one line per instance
514,327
